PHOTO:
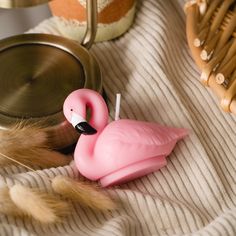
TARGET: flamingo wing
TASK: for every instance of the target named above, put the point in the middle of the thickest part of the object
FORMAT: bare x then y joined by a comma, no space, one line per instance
128,141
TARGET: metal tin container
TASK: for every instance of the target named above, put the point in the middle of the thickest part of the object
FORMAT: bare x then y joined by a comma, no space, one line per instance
37,73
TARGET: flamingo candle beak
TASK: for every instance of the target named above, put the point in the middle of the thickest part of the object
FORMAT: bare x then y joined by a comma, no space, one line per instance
85,128
81,125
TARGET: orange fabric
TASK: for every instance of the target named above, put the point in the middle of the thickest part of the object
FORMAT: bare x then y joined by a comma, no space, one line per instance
69,9
72,9
115,11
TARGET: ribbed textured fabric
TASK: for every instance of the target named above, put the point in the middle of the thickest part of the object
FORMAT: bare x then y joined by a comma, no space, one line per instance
195,194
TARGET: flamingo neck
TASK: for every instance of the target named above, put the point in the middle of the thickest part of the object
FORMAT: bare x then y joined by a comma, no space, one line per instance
86,144
99,112
87,98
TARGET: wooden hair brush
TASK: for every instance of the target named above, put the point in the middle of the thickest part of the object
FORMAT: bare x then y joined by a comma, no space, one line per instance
211,35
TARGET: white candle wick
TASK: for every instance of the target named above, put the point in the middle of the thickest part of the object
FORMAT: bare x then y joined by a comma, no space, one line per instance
117,110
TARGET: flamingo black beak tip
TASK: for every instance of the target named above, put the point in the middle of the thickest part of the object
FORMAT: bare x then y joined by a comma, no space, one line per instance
85,128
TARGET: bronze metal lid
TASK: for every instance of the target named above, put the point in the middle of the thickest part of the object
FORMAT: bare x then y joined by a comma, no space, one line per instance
37,73
21,3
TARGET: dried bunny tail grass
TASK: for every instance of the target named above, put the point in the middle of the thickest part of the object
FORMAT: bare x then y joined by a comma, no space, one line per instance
40,206
25,134
26,143
48,158
84,193
40,157
7,206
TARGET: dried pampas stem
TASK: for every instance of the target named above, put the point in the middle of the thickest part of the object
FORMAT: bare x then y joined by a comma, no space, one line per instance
28,134
26,143
7,206
82,192
40,206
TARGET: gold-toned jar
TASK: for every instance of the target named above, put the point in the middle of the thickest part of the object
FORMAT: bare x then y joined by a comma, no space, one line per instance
37,73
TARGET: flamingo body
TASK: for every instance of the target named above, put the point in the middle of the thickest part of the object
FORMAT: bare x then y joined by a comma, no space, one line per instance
124,142
121,150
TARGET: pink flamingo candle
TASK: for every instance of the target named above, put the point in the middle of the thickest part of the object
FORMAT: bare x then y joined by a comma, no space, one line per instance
120,151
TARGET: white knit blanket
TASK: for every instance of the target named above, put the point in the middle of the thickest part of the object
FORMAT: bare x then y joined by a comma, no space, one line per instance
195,194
